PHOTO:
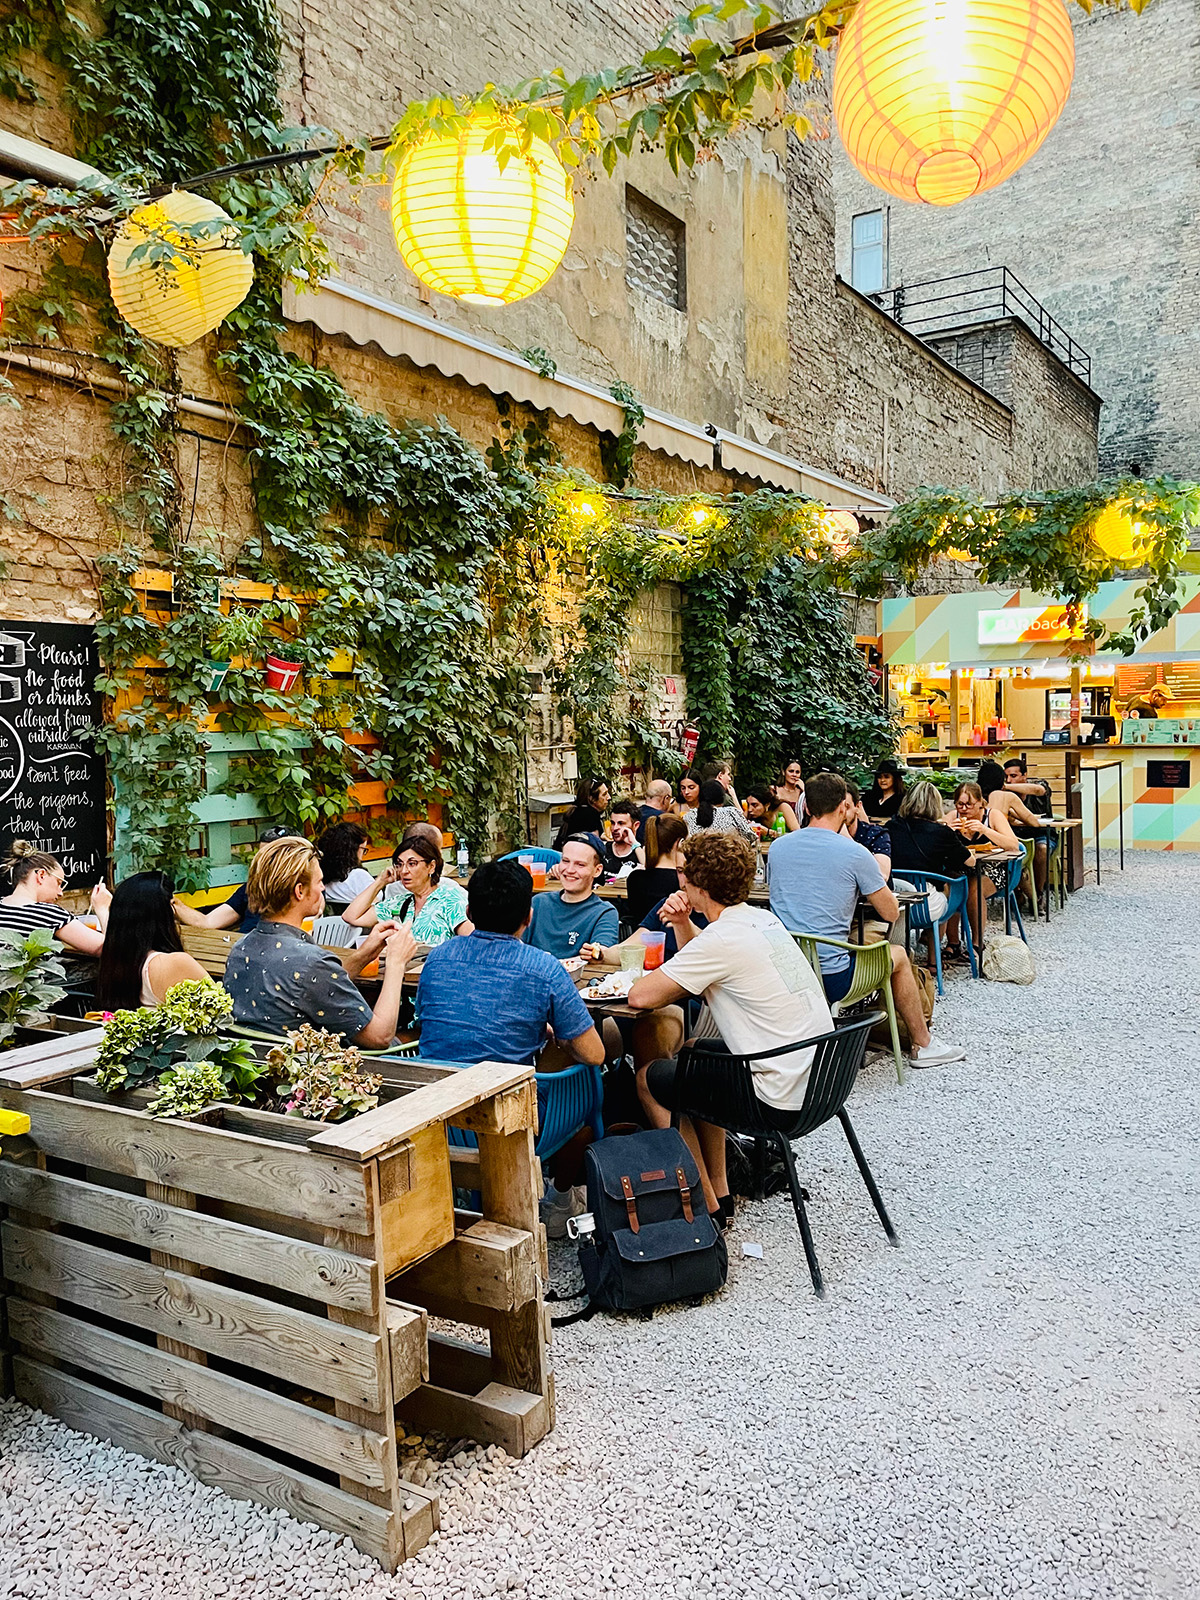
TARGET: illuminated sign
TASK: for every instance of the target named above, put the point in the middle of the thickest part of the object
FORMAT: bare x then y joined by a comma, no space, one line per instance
1029,625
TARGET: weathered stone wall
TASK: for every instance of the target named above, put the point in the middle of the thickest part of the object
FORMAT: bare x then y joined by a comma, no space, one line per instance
1102,226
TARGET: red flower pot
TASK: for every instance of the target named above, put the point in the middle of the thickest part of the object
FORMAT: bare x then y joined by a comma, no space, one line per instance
282,675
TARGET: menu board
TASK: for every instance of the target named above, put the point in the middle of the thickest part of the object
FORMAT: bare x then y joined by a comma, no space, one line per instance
1168,774
51,779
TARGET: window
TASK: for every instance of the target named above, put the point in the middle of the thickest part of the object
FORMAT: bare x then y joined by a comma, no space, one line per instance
868,264
655,250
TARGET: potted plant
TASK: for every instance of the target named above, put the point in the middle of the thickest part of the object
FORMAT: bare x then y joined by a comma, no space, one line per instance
31,979
321,1078
178,1047
238,634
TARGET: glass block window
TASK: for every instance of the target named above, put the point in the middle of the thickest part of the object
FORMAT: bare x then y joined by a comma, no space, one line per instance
655,250
868,272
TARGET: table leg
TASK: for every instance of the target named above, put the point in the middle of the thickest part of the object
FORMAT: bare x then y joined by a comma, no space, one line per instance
982,904
1120,810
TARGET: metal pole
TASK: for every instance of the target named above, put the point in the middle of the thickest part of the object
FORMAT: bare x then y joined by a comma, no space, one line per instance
1121,810
1096,815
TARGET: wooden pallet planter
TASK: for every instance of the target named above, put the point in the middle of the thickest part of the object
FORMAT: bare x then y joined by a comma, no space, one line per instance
247,1295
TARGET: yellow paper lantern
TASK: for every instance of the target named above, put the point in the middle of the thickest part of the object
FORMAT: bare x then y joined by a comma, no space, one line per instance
1117,534
179,298
937,100
470,230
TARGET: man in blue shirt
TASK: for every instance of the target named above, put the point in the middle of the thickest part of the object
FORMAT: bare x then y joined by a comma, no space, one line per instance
564,920
490,997
815,876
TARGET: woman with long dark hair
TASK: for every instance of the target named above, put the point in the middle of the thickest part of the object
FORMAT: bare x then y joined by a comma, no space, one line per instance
143,955
341,851
713,813
886,794
660,876
587,814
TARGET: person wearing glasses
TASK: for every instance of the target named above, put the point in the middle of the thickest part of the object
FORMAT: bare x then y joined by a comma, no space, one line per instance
36,881
143,955
279,978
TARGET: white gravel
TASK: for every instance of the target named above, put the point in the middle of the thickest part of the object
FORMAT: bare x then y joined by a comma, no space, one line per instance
1005,1405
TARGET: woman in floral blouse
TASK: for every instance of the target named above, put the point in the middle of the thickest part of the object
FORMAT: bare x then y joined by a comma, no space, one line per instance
413,893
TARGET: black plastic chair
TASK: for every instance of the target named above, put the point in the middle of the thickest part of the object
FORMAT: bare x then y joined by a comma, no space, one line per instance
836,1062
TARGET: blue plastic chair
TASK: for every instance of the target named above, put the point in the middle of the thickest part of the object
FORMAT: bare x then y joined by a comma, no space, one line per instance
538,852
1016,869
956,891
567,1101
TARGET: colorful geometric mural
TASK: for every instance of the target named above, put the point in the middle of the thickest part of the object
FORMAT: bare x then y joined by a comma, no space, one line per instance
948,627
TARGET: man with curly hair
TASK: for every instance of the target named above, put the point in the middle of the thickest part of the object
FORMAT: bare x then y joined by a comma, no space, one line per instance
760,995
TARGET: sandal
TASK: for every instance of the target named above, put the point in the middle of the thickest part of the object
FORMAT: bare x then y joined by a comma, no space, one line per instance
955,955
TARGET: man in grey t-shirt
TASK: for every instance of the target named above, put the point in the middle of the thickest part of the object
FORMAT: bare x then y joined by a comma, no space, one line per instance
815,876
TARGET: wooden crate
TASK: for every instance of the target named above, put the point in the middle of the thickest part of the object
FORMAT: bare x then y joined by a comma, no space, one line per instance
247,1295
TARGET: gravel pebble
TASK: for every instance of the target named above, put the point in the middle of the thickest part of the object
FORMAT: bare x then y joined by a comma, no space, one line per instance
1004,1406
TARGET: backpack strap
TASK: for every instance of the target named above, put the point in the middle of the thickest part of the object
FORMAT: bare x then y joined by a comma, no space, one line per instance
685,1193
630,1204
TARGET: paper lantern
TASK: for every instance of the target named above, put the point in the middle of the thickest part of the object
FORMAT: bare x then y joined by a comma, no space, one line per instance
1117,534
179,298
470,230
937,100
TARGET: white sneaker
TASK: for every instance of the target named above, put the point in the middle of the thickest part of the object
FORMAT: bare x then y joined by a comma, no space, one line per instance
557,1205
934,1054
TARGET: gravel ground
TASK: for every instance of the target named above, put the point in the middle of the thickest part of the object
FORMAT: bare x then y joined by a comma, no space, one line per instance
1005,1405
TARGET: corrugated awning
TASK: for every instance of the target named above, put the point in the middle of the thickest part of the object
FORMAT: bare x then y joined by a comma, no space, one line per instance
337,308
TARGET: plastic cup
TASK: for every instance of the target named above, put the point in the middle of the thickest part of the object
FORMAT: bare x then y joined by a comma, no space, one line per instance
538,870
656,950
308,923
632,957
527,863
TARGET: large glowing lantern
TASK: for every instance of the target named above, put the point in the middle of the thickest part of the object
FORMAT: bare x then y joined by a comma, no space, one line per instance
182,296
468,229
1117,534
937,100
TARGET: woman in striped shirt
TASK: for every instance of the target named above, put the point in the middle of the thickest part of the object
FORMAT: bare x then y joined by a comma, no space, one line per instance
37,881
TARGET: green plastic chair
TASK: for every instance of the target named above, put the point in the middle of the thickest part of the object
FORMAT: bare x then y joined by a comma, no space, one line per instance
872,975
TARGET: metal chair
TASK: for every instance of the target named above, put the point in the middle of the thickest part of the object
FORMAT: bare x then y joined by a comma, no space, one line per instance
837,1058
539,852
956,891
872,975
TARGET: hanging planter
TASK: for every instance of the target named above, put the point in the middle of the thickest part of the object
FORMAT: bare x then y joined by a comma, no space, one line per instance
215,673
282,675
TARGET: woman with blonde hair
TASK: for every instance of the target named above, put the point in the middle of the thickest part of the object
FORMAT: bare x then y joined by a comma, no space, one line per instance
37,882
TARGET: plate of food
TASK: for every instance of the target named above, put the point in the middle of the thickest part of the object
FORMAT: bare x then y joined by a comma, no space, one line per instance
613,986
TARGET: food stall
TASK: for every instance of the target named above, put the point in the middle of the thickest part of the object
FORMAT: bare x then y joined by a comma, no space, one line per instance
998,670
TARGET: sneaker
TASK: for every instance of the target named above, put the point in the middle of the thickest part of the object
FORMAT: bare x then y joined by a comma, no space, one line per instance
557,1205
934,1054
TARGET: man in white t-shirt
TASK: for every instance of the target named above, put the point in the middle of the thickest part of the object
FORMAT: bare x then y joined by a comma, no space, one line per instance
760,992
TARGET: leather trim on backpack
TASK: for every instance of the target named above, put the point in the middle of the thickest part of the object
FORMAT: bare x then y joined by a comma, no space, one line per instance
685,1193
631,1204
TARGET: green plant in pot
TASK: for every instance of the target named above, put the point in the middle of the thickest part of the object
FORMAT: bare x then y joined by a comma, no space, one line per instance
241,633
321,1078
31,976
178,1046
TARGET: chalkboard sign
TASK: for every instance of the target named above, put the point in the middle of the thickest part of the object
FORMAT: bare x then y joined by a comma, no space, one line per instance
51,779
1168,774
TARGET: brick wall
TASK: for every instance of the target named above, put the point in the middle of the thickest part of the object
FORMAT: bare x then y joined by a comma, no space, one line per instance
1102,226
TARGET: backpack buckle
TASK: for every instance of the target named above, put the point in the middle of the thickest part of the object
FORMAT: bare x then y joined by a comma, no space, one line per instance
685,1192
630,1204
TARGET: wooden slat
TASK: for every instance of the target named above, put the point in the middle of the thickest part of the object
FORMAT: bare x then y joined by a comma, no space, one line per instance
30,1055
373,1132
455,1364
408,1336
247,1410
182,1200
487,1265
208,1161
498,1414
257,1333
419,1218
47,1068
508,1180
219,1462
334,1277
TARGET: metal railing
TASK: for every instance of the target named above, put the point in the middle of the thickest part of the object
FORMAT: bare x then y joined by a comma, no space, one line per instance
943,305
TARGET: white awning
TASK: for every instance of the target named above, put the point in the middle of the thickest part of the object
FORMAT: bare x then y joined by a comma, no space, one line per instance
337,308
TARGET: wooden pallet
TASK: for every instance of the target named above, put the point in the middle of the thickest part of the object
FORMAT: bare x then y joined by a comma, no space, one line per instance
247,1296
